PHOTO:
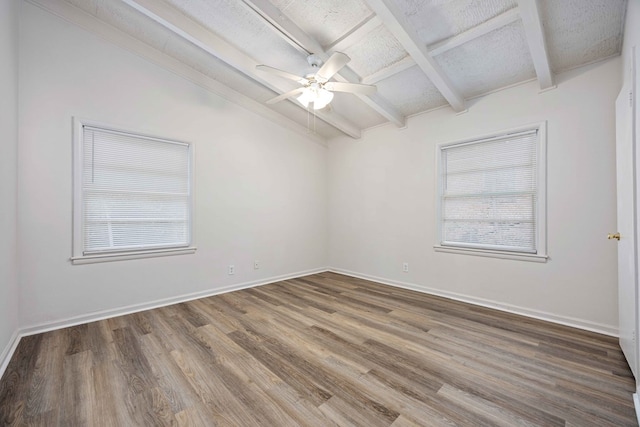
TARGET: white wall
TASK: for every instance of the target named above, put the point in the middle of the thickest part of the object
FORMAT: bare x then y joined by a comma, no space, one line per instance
382,202
8,150
260,189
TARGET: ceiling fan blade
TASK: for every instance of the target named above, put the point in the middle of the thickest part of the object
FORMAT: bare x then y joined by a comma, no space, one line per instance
350,87
285,95
332,66
282,73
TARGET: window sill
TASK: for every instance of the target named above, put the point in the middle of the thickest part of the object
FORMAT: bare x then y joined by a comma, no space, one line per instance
492,254
90,259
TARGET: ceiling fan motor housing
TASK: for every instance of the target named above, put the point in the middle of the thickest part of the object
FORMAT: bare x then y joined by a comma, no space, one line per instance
314,61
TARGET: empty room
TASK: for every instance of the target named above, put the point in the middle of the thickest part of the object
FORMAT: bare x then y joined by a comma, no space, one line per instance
319,213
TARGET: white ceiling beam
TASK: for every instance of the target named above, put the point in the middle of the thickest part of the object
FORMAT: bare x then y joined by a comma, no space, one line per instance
118,38
395,22
286,27
356,34
499,21
486,27
290,29
390,70
175,21
534,32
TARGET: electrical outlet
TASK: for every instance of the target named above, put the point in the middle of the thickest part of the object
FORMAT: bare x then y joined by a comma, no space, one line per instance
232,269
405,267
256,265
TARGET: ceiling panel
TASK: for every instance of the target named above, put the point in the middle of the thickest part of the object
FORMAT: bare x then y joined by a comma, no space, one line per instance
324,20
497,59
411,92
578,32
436,20
374,52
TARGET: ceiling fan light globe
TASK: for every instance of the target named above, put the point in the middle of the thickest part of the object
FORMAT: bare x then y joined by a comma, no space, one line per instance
323,98
306,98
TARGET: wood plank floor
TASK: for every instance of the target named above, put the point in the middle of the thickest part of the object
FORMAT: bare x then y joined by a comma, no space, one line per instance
321,350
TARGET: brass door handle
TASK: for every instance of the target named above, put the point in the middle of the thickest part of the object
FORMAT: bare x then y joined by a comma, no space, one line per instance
613,236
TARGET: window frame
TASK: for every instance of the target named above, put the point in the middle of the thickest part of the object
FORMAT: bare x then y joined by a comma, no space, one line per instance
78,255
541,194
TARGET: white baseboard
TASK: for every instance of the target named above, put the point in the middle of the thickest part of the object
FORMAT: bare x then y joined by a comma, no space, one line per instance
105,314
536,314
8,351
636,404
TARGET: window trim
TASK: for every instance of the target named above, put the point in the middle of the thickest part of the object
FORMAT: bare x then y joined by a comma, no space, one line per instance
78,256
541,207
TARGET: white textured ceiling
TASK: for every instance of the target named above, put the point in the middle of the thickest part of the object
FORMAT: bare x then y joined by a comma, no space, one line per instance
411,92
437,20
582,31
494,60
324,20
421,54
374,52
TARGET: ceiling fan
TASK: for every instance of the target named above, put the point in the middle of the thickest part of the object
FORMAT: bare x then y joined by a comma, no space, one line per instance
316,88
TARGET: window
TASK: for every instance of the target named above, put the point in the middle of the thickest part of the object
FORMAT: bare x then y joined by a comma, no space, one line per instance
492,195
132,195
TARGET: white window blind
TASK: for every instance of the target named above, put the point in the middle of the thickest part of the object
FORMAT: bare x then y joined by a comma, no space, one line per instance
489,193
136,192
